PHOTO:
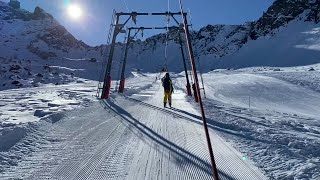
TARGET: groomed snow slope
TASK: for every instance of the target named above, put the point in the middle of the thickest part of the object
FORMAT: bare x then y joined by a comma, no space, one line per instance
265,93
132,138
150,142
280,131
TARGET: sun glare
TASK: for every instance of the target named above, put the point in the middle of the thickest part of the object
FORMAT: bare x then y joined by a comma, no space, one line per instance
74,11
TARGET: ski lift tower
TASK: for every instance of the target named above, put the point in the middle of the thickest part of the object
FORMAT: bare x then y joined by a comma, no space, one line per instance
129,40
118,28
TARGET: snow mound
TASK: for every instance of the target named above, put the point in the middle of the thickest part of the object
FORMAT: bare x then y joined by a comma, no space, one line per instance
31,104
264,93
10,136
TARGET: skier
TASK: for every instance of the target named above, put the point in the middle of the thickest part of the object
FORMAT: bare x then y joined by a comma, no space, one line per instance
168,89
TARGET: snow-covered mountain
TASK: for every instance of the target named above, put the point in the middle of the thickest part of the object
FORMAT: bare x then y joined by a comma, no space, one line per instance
282,12
287,34
26,34
36,48
210,42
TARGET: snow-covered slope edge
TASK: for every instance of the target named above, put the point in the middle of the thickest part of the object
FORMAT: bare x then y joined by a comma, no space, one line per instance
271,114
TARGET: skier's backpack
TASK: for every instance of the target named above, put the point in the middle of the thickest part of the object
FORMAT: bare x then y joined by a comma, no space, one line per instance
166,83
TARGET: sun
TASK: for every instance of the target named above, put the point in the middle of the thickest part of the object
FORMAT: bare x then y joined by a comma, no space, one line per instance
74,11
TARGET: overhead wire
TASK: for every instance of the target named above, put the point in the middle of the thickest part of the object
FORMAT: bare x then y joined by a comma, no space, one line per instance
126,5
167,37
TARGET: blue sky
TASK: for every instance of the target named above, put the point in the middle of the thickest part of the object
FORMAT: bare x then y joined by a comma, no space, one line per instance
93,26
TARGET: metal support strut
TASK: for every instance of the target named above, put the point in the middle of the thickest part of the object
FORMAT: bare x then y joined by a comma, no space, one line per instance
119,29
197,88
122,81
185,65
107,77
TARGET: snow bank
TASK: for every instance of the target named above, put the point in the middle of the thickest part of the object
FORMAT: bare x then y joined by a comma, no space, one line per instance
265,93
280,130
31,104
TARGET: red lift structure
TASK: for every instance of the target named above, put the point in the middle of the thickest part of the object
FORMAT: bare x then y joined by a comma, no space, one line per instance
118,28
181,28
129,40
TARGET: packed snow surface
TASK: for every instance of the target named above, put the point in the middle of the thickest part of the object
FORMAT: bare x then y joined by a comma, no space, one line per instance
263,92
63,132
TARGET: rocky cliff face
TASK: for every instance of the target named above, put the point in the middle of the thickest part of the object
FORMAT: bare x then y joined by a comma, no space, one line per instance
282,12
9,13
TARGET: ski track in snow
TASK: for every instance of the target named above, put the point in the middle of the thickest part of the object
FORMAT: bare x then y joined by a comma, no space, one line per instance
132,138
280,137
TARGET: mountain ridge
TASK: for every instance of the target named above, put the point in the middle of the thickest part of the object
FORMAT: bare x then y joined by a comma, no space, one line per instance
37,37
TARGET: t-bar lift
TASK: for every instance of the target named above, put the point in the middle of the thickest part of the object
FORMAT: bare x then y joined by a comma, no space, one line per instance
107,78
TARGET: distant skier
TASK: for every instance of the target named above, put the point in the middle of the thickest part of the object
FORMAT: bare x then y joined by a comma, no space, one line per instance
168,89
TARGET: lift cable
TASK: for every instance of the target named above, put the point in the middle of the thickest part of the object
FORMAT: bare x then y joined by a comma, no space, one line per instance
167,39
126,5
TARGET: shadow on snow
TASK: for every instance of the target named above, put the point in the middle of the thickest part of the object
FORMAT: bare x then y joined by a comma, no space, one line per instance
148,132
